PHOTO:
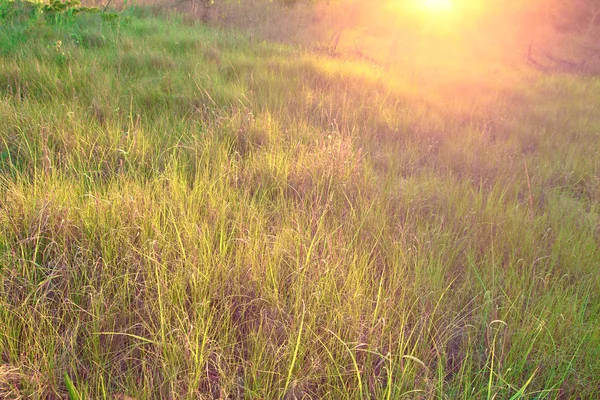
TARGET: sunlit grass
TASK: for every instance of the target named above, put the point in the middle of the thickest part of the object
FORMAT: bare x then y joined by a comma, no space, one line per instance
186,213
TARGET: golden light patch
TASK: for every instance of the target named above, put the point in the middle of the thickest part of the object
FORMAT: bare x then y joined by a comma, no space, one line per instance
437,5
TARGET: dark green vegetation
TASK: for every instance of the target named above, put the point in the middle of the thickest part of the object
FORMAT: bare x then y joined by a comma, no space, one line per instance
184,214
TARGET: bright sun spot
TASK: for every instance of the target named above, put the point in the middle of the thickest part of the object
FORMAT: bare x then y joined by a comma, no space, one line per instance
437,5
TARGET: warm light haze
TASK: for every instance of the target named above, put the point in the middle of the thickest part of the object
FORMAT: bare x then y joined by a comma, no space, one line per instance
438,5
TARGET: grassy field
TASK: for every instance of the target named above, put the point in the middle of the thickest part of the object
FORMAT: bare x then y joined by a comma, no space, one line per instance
189,213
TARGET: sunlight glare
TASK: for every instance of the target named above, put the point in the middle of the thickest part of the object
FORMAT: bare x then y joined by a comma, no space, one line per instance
437,5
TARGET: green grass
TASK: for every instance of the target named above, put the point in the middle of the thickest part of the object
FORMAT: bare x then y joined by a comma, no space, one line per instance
187,214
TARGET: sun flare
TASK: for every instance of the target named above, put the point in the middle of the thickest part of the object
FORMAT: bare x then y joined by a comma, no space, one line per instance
437,5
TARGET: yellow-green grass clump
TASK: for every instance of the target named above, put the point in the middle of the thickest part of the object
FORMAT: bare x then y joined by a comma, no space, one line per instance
187,214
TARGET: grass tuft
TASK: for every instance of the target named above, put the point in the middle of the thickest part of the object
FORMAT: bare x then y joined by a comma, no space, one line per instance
187,213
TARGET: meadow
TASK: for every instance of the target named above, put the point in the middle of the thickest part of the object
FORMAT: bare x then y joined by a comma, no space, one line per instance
189,212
